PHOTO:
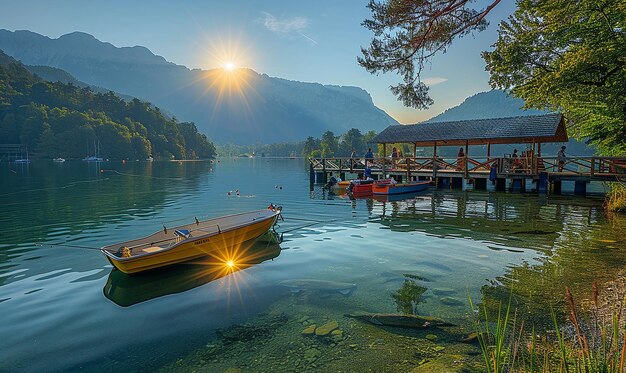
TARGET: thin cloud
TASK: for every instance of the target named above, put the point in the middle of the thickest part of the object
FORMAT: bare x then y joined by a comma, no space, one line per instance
434,81
286,27
308,38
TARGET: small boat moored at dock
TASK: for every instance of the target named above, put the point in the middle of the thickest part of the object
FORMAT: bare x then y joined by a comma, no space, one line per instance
387,187
361,188
186,242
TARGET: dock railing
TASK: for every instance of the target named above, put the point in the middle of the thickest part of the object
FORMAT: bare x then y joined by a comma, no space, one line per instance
595,167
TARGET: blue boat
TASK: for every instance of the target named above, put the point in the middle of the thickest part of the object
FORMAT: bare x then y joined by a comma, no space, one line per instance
388,187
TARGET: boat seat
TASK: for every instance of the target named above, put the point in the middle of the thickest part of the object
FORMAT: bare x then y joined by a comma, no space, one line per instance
152,249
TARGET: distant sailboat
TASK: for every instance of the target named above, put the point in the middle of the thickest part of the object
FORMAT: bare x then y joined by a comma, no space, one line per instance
58,160
23,160
94,158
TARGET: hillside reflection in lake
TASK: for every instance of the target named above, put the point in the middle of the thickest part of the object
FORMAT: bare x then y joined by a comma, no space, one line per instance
422,255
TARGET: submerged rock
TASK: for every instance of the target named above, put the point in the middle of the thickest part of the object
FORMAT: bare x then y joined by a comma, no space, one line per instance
298,285
312,354
246,332
309,330
326,328
443,291
473,337
450,301
400,320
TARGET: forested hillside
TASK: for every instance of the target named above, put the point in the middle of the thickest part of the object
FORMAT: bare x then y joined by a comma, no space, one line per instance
58,119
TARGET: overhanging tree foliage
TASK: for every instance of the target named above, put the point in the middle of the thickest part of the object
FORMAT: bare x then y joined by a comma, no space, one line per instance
568,56
407,33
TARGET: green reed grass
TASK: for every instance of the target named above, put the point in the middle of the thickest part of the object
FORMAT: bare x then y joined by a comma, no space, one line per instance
598,343
615,200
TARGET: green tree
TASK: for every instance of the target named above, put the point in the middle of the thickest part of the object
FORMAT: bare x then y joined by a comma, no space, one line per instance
407,33
353,139
329,144
309,145
568,56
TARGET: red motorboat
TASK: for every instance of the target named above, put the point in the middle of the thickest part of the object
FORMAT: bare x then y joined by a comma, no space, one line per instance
360,188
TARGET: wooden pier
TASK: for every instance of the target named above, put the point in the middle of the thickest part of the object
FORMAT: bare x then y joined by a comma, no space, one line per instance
478,172
529,170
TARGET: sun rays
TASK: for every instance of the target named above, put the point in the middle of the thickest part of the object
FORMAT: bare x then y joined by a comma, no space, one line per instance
227,265
228,82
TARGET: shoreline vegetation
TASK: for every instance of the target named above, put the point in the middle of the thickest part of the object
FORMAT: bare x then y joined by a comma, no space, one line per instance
62,120
592,339
616,198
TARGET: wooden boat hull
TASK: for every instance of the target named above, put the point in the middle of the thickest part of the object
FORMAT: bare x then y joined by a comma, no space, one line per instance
207,237
127,290
387,188
361,190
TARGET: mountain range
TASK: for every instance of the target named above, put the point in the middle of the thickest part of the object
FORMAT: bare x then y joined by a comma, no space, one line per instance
486,105
241,106
498,104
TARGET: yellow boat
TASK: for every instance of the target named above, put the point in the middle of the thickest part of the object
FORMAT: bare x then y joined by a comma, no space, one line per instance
186,242
129,290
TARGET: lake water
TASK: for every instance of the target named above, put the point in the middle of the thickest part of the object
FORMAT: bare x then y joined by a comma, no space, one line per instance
64,308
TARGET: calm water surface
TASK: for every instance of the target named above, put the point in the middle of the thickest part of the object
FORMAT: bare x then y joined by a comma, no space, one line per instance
64,308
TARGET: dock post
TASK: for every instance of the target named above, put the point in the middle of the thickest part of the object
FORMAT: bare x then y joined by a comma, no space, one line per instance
556,187
456,182
311,174
517,185
542,183
580,188
500,184
480,184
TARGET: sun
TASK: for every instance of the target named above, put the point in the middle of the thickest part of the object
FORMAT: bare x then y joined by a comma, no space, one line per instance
230,66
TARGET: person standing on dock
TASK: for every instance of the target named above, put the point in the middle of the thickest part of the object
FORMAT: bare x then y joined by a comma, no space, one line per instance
561,158
368,156
460,159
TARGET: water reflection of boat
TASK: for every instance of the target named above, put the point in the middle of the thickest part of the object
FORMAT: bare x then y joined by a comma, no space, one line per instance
394,197
186,242
127,290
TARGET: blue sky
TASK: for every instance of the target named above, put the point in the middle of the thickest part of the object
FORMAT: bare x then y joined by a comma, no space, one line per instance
311,41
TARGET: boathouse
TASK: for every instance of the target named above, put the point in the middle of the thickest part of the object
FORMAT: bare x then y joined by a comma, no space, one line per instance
528,169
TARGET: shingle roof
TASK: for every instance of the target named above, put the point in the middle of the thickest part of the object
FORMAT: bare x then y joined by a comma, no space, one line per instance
544,128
